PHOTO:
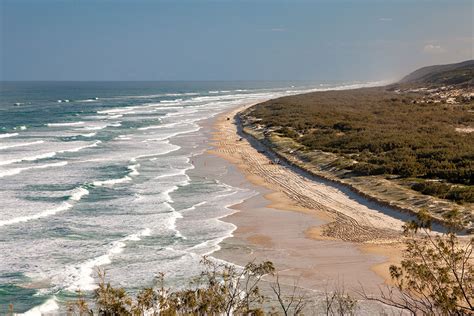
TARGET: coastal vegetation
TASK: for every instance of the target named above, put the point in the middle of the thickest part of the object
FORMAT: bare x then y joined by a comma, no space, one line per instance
381,131
450,74
436,275
417,134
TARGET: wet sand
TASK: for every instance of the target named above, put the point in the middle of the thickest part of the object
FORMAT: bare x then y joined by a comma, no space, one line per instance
273,226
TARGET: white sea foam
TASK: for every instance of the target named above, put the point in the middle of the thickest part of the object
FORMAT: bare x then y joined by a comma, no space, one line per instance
152,96
146,108
210,246
32,158
47,155
115,116
88,135
6,135
76,195
171,101
111,181
181,113
173,219
64,124
134,170
95,128
168,125
156,108
22,144
95,144
193,208
15,171
47,308
213,98
151,127
115,111
168,136
172,174
80,276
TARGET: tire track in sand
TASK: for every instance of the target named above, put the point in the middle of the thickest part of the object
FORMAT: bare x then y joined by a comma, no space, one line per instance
352,221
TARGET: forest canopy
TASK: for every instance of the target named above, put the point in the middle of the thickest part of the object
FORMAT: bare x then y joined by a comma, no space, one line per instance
385,131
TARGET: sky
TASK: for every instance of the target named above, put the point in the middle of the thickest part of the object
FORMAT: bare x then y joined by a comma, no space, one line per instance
230,40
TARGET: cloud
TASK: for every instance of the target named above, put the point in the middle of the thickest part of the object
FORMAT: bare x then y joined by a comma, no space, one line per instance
385,19
433,48
278,29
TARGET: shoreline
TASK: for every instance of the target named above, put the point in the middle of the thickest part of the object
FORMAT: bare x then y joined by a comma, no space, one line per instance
298,231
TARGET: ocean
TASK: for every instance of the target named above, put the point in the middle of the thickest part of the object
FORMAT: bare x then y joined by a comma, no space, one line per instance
97,174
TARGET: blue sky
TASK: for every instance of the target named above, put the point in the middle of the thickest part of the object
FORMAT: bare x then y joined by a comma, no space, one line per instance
230,40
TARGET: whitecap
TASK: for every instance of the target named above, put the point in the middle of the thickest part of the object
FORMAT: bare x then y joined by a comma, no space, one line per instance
114,111
75,196
6,135
111,181
171,101
95,128
115,116
46,308
64,124
192,208
88,134
47,155
81,275
63,207
16,171
78,193
134,170
32,158
22,144
172,174
168,125
173,220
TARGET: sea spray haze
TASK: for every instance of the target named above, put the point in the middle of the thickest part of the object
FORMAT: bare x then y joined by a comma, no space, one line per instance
96,175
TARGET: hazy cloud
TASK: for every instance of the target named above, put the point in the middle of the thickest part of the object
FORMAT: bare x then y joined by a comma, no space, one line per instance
385,19
432,48
278,29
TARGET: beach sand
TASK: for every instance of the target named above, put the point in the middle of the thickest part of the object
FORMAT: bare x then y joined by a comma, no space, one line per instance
276,225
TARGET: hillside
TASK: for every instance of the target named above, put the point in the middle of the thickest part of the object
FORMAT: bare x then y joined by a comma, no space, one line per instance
451,74
407,145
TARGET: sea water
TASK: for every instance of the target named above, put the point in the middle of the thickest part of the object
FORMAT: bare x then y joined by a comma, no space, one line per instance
91,175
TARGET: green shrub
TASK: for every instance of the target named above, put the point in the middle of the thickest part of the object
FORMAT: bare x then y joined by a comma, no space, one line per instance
386,132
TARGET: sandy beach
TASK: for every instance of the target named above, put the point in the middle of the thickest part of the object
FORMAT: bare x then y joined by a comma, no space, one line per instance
287,221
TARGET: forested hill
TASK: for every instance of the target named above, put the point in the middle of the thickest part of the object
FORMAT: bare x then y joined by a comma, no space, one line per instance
452,74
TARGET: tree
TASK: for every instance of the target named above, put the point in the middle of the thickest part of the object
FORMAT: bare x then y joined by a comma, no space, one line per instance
292,304
436,275
222,289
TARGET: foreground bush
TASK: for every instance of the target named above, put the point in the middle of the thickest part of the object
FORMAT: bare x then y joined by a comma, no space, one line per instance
222,289
435,277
